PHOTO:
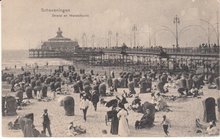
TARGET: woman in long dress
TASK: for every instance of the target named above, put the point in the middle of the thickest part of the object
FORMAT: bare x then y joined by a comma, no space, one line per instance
123,128
114,122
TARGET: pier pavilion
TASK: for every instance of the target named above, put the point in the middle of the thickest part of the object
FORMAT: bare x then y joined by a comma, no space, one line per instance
57,47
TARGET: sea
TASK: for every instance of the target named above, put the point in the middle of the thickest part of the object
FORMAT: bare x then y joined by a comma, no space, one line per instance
20,58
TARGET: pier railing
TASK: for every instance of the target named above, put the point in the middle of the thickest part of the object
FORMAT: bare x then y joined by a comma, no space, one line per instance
208,52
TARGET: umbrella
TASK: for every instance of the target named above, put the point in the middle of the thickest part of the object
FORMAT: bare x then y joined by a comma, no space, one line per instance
111,103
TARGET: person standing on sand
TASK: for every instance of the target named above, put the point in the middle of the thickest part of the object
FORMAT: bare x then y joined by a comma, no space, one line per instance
46,122
84,105
166,124
123,127
95,99
114,122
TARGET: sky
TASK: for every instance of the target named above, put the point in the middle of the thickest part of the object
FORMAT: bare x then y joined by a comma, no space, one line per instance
25,26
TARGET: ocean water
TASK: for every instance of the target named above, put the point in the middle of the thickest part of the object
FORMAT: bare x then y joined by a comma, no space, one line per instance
20,58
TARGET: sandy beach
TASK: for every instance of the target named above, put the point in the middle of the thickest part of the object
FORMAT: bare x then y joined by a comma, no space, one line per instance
183,115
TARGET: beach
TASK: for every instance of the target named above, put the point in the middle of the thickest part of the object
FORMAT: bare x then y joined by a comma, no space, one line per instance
183,115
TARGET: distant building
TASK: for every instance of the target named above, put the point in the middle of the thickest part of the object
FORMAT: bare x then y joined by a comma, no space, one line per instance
60,43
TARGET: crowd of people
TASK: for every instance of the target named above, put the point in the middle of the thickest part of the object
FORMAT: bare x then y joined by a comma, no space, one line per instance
94,88
209,48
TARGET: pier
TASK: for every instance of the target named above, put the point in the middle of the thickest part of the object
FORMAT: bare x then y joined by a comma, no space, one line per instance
138,57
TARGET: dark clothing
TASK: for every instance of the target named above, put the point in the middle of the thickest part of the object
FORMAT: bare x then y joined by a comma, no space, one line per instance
165,129
110,82
76,88
85,112
35,92
147,120
44,91
136,101
52,87
164,78
124,100
95,106
181,90
116,84
95,100
189,83
48,129
114,123
183,83
96,87
115,89
46,123
160,86
46,119
80,83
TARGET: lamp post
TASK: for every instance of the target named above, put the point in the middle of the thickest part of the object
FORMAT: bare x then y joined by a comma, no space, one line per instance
109,38
173,47
217,28
134,29
208,28
93,40
149,39
176,21
84,39
116,35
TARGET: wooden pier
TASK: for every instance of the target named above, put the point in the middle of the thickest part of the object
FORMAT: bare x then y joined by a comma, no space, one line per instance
138,57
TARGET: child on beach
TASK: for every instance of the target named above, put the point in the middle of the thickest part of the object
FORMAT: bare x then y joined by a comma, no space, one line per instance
166,124
46,122
84,105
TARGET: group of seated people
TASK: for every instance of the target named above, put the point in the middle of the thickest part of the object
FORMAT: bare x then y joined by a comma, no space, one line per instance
211,130
159,102
75,129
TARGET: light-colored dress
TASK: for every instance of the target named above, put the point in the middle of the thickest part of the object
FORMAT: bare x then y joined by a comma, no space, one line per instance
123,128
84,104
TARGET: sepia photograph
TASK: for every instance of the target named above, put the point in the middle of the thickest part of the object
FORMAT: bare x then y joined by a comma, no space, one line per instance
110,68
